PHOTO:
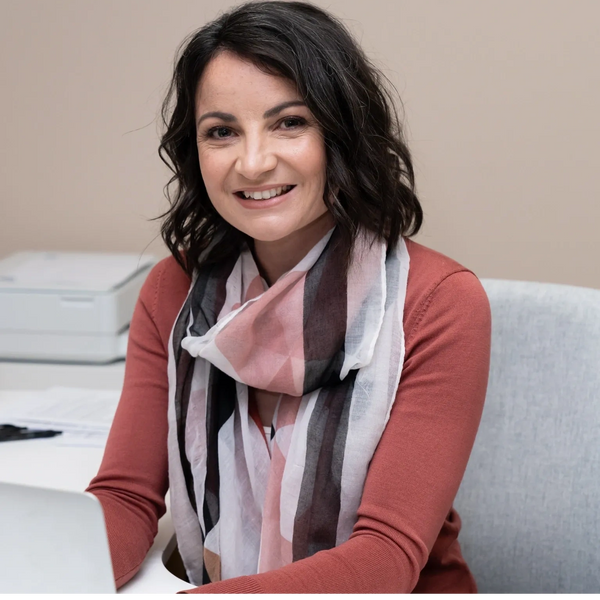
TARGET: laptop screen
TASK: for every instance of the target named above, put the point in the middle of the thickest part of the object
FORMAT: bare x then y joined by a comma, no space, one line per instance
53,541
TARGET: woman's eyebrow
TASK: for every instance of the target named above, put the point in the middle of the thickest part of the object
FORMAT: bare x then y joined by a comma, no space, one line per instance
277,109
229,118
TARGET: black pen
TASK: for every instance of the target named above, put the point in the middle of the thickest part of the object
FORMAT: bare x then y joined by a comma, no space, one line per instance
12,433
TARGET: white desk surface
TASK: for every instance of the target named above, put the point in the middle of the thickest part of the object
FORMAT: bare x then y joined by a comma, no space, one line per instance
15,375
46,463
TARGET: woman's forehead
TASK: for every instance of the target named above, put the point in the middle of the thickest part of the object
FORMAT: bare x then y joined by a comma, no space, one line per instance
229,79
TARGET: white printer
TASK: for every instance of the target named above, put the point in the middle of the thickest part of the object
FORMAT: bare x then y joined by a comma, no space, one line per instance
68,307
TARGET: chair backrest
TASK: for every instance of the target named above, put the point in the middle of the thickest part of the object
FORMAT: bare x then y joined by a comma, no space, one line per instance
530,498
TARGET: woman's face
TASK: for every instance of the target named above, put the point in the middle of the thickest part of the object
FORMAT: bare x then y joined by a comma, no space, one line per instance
261,152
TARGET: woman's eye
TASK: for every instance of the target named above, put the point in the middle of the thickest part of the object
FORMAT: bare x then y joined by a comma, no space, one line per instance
219,133
292,122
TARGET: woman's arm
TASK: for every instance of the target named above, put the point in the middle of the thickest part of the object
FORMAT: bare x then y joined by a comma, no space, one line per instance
419,463
132,480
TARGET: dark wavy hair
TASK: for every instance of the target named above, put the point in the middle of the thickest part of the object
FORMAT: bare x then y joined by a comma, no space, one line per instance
369,173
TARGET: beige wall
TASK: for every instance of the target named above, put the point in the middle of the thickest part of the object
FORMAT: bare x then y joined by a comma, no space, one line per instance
501,101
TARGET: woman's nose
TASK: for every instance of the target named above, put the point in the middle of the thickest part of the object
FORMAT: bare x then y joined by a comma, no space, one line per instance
256,158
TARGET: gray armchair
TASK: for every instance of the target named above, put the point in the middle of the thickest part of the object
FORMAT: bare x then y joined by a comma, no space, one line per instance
530,498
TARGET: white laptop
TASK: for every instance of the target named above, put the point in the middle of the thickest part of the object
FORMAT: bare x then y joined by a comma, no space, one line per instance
52,541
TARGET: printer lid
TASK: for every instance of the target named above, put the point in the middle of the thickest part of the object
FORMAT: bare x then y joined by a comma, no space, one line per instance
70,271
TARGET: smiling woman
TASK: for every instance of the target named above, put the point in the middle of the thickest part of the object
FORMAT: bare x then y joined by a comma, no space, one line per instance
262,159
337,96
304,379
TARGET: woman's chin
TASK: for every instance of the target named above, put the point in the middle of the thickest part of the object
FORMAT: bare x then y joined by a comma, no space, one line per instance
269,236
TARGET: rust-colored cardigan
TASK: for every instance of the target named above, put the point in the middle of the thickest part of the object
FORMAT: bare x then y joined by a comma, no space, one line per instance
405,538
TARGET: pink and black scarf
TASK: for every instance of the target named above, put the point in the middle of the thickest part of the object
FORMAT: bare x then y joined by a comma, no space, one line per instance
333,346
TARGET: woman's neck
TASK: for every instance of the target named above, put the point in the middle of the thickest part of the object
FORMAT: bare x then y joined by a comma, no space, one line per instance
277,257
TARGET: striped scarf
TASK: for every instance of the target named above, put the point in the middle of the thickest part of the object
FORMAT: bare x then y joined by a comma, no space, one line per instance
333,346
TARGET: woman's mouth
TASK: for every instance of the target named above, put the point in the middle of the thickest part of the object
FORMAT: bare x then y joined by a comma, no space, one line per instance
266,194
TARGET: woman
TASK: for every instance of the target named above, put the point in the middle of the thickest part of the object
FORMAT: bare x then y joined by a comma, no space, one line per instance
304,379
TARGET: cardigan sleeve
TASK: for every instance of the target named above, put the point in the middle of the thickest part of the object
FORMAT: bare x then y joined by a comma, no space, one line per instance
132,480
419,463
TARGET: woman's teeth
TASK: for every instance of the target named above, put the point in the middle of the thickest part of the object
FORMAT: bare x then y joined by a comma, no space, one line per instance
268,193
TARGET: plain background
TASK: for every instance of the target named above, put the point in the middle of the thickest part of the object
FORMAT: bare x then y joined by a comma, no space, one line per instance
500,103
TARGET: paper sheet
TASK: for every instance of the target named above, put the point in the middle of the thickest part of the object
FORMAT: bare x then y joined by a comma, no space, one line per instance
83,415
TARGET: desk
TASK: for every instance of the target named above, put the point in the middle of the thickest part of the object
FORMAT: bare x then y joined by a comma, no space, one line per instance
46,463
16,375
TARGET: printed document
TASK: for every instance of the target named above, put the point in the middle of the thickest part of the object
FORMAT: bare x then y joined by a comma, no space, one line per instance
83,415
